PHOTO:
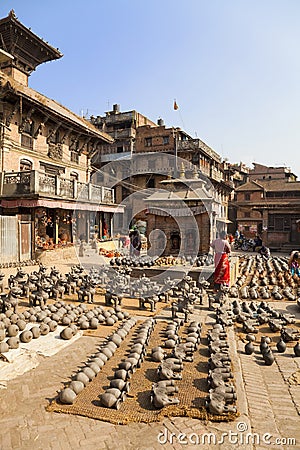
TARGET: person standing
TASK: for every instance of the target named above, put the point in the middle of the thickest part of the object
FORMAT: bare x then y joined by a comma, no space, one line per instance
222,250
135,242
294,263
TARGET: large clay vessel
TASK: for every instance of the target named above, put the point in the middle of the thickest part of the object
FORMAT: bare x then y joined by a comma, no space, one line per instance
297,349
249,348
281,346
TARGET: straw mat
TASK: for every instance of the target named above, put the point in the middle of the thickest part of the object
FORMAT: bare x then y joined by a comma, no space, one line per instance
137,406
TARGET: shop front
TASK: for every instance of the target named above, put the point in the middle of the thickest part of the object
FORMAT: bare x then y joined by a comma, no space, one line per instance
60,224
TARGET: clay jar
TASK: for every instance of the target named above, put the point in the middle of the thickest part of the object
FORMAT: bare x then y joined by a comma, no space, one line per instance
249,348
67,396
264,343
268,357
297,349
26,336
281,346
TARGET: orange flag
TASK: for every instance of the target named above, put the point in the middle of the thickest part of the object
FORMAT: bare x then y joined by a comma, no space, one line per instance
175,105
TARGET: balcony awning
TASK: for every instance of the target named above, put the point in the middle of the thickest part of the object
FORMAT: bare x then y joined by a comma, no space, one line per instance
60,205
223,220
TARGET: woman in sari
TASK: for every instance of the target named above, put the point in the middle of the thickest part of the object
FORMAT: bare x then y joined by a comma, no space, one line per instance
222,266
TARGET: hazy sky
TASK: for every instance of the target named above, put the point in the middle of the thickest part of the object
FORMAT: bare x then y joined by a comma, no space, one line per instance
232,65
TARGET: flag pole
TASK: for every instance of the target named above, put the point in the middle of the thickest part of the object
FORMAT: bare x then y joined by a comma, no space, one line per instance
175,106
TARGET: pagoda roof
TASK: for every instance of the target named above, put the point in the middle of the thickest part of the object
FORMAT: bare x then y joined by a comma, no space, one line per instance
9,86
28,49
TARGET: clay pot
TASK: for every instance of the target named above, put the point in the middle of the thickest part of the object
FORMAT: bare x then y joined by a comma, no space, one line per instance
99,362
14,318
21,324
107,352
84,325
67,396
81,376
109,400
268,358
94,323
263,346
121,374
36,332
102,356
52,325
116,339
66,333
249,348
297,349
45,329
66,320
89,372
111,346
76,386
109,321
4,347
26,336
2,334
281,346
13,342
94,367
73,328
12,330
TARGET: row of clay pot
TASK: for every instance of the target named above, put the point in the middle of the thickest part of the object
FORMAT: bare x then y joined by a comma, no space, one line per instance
119,386
185,350
25,336
95,363
257,272
221,393
28,262
172,364
253,314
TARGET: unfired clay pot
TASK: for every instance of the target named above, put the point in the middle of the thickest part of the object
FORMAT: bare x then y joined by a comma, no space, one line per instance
67,396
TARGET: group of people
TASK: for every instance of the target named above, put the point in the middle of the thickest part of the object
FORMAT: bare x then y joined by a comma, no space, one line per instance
132,242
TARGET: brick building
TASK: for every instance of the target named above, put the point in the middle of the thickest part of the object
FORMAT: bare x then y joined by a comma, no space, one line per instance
154,153
45,189
271,208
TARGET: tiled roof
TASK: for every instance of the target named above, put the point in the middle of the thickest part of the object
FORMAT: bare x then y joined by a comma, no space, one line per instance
270,186
52,105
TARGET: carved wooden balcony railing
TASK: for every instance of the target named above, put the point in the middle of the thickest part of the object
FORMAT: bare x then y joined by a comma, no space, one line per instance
36,184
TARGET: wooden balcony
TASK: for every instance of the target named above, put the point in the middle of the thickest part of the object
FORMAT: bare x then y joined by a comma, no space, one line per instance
35,184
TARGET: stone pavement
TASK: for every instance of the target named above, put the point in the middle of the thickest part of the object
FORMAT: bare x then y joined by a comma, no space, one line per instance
268,402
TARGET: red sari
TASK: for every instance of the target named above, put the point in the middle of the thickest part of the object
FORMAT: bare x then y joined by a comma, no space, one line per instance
222,269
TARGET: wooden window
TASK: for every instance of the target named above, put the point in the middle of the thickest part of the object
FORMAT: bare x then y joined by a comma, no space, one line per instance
27,134
74,157
148,142
247,196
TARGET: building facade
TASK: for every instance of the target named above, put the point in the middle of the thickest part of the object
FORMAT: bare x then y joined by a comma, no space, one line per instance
45,154
270,208
156,153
